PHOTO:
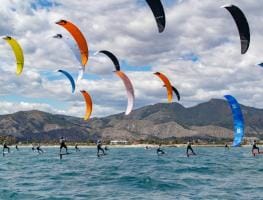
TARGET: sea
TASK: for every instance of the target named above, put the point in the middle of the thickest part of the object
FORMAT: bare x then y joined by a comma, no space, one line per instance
132,174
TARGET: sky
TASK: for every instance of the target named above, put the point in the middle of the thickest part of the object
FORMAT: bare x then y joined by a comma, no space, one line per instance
199,51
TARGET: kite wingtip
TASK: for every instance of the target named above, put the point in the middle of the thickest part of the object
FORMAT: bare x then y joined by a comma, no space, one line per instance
96,53
61,22
226,6
7,37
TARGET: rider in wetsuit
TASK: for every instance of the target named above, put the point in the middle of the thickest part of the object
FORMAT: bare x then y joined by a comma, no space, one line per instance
159,150
76,147
254,147
6,147
99,148
62,142
226,146
189,147
39,150
17,148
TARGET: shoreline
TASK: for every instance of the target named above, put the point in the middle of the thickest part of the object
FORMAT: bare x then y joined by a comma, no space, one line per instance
131,146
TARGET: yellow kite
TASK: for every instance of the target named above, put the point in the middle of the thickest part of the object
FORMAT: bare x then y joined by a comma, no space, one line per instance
18,53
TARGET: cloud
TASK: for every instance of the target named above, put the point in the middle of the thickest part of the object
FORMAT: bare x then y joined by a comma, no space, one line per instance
9,107
199,51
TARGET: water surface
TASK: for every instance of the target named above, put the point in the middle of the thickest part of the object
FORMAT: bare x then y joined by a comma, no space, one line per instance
132,174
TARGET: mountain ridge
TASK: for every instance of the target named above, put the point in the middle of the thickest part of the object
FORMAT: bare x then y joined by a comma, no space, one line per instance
207,120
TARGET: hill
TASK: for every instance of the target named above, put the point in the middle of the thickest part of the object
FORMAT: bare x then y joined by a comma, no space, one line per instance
211,120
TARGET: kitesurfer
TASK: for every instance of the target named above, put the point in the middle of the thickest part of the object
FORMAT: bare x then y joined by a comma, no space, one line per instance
17,148
226,146
189,147
62,142
99,148
6,147
159,150
76,147
39,150
255,147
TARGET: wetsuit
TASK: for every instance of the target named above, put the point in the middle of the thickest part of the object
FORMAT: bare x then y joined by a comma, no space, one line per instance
99,148
159,151
6,147
63,144
76,148
17,148
189,147
226,147
254,147
39,150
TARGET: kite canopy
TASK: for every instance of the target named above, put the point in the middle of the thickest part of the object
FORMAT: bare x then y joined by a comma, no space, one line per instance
18,53
78,37
74,48
158,12
88,102
72,45
129,90
69,78
81,73
238,120
124,78
113,58
176,93
167,84
242,25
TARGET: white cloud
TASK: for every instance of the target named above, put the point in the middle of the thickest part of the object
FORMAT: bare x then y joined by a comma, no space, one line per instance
9,107
128,29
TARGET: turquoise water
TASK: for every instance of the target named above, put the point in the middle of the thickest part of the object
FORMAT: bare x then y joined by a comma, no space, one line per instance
132,173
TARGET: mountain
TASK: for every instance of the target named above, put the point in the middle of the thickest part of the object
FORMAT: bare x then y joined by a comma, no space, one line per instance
207,121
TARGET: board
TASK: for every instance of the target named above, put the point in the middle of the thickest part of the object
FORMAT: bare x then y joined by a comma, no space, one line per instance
255,152
101,154
62,154
5,152
191,154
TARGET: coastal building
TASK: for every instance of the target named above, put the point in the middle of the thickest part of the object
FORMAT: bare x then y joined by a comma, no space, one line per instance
249,140
116,142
